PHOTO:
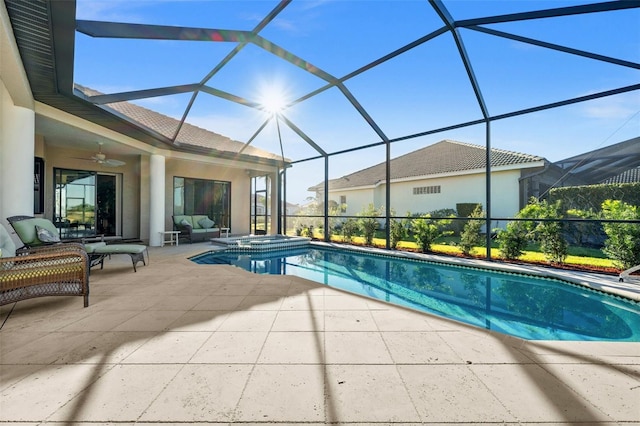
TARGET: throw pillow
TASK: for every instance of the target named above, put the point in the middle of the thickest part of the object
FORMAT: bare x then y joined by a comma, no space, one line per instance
206,223
185,222
46,236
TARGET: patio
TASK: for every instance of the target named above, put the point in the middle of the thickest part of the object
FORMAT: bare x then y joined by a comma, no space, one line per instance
177,343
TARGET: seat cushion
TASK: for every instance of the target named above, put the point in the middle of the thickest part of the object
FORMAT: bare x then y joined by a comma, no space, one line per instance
91,247
26,230
120,248
6,243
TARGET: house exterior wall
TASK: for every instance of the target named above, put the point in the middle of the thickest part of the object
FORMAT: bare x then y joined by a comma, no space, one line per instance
240,189
469,188
357,199
17,120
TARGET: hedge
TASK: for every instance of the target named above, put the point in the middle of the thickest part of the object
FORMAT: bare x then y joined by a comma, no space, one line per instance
591,197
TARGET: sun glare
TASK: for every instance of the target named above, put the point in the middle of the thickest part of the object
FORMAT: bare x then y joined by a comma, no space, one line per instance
273,100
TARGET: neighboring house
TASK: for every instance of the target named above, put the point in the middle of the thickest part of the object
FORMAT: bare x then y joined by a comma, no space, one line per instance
291,208
438,177
616,163
628,176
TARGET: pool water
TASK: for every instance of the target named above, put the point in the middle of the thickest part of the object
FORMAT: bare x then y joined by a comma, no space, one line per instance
524,306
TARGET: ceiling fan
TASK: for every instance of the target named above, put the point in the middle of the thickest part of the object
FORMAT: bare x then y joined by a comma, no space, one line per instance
101,158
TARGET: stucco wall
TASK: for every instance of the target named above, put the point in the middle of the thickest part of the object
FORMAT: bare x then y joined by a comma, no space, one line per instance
240,188
454,189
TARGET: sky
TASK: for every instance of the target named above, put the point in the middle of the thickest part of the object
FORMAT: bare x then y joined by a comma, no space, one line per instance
424,89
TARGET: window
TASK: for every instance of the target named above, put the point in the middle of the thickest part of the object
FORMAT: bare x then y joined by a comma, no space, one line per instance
421,190
38,185
343,203
200,196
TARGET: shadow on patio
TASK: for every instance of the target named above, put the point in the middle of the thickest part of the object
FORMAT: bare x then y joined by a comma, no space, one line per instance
179,342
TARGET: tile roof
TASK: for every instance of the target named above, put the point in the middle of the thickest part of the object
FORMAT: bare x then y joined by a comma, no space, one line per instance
628,176
446,156
189,134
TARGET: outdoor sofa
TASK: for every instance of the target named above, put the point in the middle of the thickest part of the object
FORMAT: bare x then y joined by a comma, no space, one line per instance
195,227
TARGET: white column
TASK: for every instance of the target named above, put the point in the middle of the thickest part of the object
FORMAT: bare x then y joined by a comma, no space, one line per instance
156,199
17,136
274,190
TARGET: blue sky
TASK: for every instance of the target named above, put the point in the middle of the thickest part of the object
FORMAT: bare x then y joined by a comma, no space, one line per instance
423,89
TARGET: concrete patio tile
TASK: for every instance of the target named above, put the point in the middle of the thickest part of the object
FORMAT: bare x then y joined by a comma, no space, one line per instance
531,394
121,394
42,393
299,347
175,303
44,316
261,303
400,320
199,321
200,393
194,288
483,348
303,302
283,393
248,321
103,320
349,321
126,303
109,347
272,287
299,321
13,339
613,392
451,394
300,286
419,347
13,373
56,343
574,352
219,303
356,348
367,394
168,348
149,321
345,302
234,288
230,347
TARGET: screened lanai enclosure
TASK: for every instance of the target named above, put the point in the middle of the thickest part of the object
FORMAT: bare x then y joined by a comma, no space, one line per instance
394,110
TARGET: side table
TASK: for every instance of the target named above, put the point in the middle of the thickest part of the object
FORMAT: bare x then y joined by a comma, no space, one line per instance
173,237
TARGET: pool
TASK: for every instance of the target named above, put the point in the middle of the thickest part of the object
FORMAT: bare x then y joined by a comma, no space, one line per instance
520,305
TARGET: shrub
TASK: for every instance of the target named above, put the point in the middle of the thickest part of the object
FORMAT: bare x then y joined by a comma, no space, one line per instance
368,223
397,230
548,233
470,236
426,230
349,229
623,239
512,240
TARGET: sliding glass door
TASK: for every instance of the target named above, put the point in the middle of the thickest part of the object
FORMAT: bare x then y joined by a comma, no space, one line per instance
85,203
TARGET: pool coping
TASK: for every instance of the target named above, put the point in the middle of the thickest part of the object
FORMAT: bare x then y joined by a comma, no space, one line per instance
601,282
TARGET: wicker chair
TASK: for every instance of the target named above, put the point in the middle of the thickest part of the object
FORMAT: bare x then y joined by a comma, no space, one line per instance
55,270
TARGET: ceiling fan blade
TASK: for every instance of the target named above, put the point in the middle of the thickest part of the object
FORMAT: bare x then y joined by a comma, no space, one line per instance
113,163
